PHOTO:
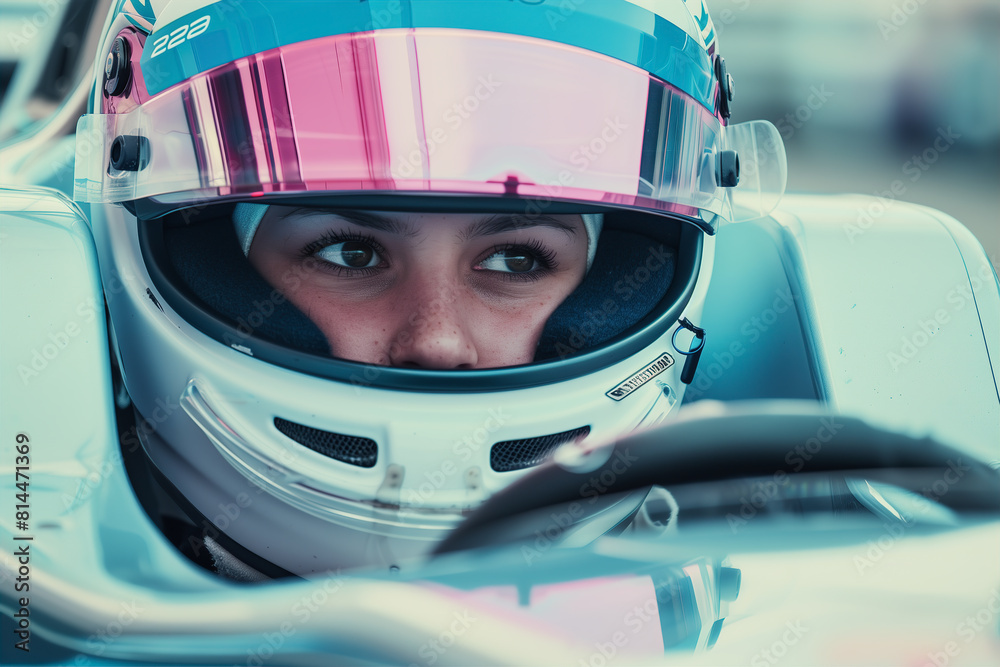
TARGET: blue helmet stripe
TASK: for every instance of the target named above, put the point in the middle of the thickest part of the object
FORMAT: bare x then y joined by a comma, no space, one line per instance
615,28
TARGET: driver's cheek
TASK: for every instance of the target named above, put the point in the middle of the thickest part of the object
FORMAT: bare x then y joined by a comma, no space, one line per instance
507,333
356,331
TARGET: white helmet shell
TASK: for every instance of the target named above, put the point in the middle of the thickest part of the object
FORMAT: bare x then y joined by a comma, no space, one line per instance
313,463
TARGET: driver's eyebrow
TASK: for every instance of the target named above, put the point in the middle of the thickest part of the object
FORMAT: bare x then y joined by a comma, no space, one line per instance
508,222
367,219
493,224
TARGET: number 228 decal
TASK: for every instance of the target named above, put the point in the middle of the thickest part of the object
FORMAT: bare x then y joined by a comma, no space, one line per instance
180,35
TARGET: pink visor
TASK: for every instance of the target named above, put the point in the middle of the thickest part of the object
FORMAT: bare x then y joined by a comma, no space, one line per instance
427,111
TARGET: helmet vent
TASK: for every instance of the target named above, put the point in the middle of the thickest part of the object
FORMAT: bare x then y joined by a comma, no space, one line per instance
511,455
351,449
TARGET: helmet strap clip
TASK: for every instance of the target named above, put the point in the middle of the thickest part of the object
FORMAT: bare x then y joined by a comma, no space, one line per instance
693,353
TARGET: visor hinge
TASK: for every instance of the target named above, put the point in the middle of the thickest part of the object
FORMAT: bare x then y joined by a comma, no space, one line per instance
726,88
727,169
129,153
118,68
693,353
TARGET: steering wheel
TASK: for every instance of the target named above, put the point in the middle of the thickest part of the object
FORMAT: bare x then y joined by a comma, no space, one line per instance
737,442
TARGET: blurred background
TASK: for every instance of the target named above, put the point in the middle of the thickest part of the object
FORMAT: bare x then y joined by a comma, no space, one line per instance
866,93
862,89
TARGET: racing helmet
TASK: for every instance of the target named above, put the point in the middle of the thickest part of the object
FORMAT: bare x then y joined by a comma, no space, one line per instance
279,456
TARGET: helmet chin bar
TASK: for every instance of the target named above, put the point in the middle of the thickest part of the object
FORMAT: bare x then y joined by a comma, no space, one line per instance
382,514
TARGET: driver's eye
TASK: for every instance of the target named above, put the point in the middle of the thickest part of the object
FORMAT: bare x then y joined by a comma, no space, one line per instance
350,254
510,261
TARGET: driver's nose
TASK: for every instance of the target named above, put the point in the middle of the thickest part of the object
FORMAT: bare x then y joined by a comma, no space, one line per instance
434,334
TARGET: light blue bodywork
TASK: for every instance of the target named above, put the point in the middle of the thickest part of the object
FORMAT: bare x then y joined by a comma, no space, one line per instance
859,293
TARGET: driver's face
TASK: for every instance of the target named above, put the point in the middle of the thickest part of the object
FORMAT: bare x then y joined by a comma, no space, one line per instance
424,290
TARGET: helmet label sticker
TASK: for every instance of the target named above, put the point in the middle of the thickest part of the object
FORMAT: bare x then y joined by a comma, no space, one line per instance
662,363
